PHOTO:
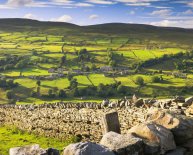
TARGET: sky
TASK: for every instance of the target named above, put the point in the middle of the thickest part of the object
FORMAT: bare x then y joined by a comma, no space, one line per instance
168,13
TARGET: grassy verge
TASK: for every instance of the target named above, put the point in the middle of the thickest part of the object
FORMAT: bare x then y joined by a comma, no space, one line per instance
13,137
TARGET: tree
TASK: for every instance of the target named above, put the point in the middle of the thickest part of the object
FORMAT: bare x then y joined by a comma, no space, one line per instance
139,80
93,67
63,60
10,95
69,77
112,63
121,89
2,83
73,83
75,92
155,79
101,90
50,92
38,83
62,93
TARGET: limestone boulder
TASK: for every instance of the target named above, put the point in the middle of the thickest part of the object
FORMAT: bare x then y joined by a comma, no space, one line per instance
155,136
122,144
189,111
87,148
105,103
27,150
179,99
134,98
181,126
177,151
189,101
139,102
189,145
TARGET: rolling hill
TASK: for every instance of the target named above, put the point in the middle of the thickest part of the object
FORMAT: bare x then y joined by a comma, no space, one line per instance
33,50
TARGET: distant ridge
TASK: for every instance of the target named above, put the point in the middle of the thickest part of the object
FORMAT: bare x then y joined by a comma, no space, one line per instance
31,22
137,31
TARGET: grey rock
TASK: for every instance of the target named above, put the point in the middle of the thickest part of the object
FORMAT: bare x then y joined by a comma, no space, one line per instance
181,126
179,99
177,151
27,150
134,98
122,144
156,135
188,101
87,148
139,102
51,151
105,103
110,122
188,145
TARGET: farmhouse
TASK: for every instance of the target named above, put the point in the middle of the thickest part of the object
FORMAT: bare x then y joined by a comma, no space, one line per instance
179,75
51,70
106,68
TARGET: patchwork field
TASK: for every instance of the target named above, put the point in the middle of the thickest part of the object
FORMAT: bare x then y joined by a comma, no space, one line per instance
92,56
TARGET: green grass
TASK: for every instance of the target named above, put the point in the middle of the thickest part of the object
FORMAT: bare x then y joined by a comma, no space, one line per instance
13,137
129,40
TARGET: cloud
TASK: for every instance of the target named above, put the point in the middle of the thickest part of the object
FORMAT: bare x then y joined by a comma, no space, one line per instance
132,12
174,23
22,3
29,16
164,23
162,13
189,3
138,2
39,3
93,17
188,12
83,5
107,2
64,18
16,3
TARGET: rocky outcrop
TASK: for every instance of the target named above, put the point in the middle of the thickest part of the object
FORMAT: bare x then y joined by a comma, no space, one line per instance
122,144
181,126
87,148
155,135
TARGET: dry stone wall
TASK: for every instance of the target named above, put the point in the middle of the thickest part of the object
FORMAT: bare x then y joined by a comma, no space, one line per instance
62,120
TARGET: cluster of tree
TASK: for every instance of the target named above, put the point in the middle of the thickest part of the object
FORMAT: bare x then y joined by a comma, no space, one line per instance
157,79
8,84
62,60
139,81
43,60
101,91
165,57
83,55
55,94
184,64
74,91
13,62
114,58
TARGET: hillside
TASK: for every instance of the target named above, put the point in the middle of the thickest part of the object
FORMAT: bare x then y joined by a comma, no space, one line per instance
51,61
140,31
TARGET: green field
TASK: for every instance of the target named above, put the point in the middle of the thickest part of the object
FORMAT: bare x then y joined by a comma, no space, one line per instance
13,137
40,46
